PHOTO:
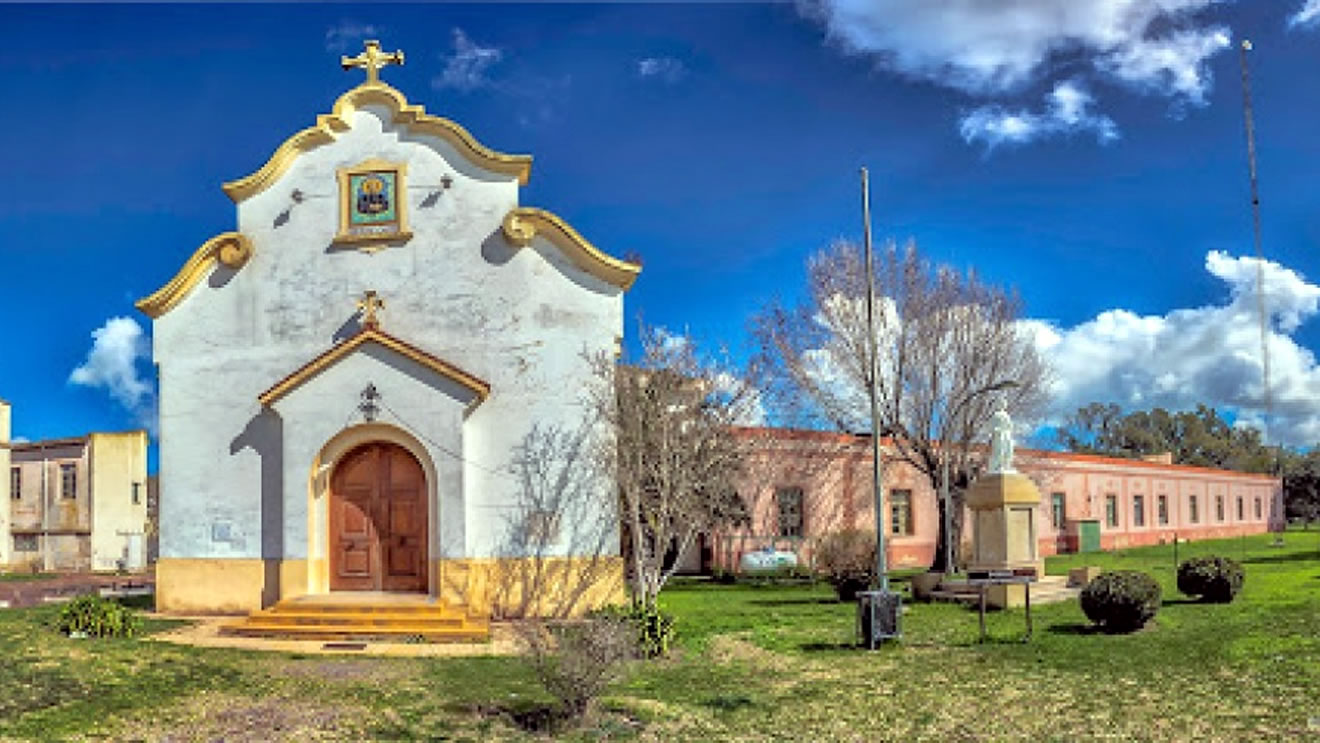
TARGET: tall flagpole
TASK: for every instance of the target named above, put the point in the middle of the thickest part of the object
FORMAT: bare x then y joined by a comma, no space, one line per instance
877,464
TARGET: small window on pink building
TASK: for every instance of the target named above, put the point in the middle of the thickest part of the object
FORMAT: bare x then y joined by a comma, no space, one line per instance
1258,509
1138,510
1219,508
1192,515
789,501
1163,505
1242,512
900,512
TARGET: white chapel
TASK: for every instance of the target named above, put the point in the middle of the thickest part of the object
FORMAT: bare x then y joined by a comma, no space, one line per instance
346,376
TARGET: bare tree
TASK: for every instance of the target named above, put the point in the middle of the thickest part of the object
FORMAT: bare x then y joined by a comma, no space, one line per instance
675,454
563,525
943,339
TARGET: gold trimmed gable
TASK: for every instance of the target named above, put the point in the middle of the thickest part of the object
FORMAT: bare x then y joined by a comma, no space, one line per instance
524,223
329,126
231,249
373,335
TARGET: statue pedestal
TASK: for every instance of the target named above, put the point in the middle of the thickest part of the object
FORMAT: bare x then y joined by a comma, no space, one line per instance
1005,519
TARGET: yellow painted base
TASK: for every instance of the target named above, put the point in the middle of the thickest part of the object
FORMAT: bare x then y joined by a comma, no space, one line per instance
506,588
226,585
501,588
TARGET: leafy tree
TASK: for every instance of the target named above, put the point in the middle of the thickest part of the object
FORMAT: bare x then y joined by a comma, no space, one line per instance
1200,437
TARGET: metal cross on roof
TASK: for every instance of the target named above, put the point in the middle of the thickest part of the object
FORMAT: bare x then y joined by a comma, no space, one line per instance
370,304
372,59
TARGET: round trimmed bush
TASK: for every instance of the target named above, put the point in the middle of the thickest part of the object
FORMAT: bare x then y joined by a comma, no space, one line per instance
1214,579
847,560
1121,600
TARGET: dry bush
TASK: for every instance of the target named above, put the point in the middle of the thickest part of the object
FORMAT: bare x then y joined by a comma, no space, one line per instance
576,661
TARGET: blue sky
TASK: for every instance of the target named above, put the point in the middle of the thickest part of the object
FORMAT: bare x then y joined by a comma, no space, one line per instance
1089,154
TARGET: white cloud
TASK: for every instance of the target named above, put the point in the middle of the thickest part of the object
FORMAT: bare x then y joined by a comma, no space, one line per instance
1067,111
20,440
993,49
1307,15
990,47
1175,64
667,69
113,365
347,34
466,68
1196,355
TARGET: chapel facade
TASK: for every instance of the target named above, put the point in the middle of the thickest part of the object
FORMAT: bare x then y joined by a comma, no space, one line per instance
347,378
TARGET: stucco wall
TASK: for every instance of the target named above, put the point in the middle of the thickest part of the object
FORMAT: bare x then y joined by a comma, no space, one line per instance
834,471
118,461
234,477
6,540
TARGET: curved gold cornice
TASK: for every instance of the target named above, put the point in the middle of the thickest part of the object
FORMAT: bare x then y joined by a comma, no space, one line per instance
231,249
523,223
329,126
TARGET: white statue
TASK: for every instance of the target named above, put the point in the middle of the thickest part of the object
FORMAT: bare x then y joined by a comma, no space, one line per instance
1001,444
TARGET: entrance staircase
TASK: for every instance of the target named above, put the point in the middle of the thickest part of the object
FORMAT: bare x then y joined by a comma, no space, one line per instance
1047,589
363,617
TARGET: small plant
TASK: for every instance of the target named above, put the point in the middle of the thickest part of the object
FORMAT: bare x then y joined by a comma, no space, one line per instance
576,661
94,616
1214,579
1121,600
654,628
847,560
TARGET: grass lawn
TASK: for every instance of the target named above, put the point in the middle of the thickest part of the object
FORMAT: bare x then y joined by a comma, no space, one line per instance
755,663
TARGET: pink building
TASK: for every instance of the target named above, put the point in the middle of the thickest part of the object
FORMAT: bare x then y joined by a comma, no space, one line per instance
801,485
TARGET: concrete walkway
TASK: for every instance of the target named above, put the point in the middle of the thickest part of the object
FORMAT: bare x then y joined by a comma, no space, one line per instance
204,631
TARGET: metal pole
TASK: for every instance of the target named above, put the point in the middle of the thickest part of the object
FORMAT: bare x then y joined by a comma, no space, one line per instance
877,464
948,517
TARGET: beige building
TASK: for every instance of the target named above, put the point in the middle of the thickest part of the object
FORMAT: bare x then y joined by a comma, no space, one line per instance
75,504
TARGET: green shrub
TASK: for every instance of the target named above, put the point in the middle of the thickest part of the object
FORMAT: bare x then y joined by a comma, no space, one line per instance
654,628
847,560
95,616
1215,579
1121,600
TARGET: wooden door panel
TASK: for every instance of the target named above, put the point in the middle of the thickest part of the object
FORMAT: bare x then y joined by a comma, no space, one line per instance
378,521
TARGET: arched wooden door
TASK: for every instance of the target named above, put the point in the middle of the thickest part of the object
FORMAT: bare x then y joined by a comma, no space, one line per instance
378,521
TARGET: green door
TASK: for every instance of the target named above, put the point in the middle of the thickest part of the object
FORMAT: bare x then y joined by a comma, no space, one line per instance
1088,536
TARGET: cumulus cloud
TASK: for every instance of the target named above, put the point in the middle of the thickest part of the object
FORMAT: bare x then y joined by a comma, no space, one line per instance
1175,64
1307,15
348,34
1208,354
1067,111
994,49
118,347
666,69
466,68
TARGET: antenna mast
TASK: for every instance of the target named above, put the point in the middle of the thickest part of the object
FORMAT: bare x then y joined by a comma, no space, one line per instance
1260,255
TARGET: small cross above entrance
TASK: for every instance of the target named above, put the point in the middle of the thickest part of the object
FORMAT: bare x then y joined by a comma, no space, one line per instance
372,59
370,304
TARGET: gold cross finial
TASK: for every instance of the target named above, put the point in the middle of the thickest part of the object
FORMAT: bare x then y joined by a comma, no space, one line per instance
373,59
370,304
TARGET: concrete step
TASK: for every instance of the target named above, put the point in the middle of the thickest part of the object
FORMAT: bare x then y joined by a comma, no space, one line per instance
363,616
359,633
356,619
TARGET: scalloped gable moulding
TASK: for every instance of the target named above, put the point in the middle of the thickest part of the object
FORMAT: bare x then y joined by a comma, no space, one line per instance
524,223
328,126
231,249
